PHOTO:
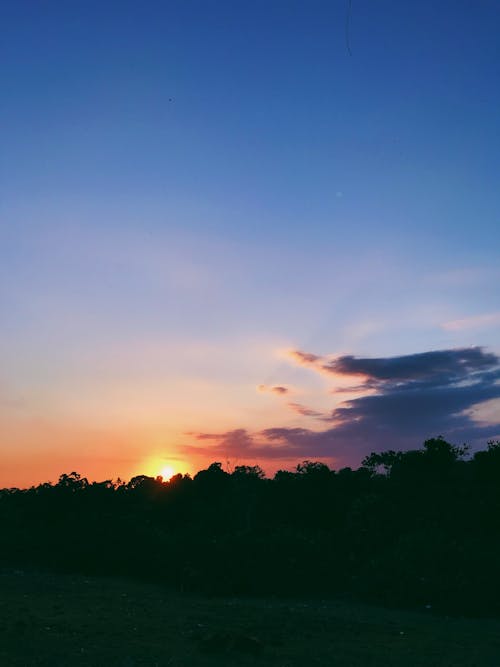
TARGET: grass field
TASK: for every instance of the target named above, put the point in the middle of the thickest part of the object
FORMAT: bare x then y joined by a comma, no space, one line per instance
56,620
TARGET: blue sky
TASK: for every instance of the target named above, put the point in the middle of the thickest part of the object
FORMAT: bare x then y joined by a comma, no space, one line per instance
190,190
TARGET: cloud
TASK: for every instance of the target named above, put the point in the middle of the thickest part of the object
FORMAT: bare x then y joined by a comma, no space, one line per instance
475,322
241,444
435,366
278,389
305,411
418,395
304,358
406,399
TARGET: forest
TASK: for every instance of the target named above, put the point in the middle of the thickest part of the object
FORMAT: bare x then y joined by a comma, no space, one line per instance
414,529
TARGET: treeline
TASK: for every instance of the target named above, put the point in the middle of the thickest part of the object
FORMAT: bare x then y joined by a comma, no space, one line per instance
415,528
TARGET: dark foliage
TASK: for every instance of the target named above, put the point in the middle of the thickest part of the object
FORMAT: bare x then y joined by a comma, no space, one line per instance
407,528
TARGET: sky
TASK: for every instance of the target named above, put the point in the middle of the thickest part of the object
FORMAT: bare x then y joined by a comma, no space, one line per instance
248,232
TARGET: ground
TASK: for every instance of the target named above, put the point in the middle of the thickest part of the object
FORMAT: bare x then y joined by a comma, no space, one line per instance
59,620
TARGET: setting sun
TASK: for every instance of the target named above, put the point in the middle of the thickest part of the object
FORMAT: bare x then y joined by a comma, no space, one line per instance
167,472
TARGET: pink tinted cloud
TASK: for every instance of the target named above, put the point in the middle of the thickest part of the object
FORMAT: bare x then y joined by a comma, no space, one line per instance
305,358
280,390
305,411
474,322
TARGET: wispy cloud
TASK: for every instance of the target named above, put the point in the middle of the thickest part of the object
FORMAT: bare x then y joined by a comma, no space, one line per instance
305,411
304,358
475,322
240,444
277,389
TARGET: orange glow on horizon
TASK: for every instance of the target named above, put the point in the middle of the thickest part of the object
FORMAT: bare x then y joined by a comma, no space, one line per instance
157,465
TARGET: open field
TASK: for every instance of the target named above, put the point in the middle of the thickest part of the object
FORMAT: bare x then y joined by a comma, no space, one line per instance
61,620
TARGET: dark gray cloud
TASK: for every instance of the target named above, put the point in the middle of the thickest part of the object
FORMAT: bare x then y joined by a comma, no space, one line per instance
418,396
438,365
412,397
432,388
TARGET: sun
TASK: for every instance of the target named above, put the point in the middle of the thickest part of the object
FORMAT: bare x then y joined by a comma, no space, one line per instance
167,472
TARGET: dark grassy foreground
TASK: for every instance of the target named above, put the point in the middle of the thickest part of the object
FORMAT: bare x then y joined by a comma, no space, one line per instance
72,620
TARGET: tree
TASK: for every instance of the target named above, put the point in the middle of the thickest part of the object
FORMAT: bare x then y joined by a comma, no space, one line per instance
72,481
248,472
442,452
382,461
314,469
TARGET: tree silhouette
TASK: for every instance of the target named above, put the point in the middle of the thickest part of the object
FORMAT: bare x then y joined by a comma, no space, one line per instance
407,527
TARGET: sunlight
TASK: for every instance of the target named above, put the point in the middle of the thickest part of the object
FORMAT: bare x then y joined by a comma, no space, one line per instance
167,472
156,465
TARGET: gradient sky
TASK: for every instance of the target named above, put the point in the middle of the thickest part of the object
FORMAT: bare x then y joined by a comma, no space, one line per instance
192,191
